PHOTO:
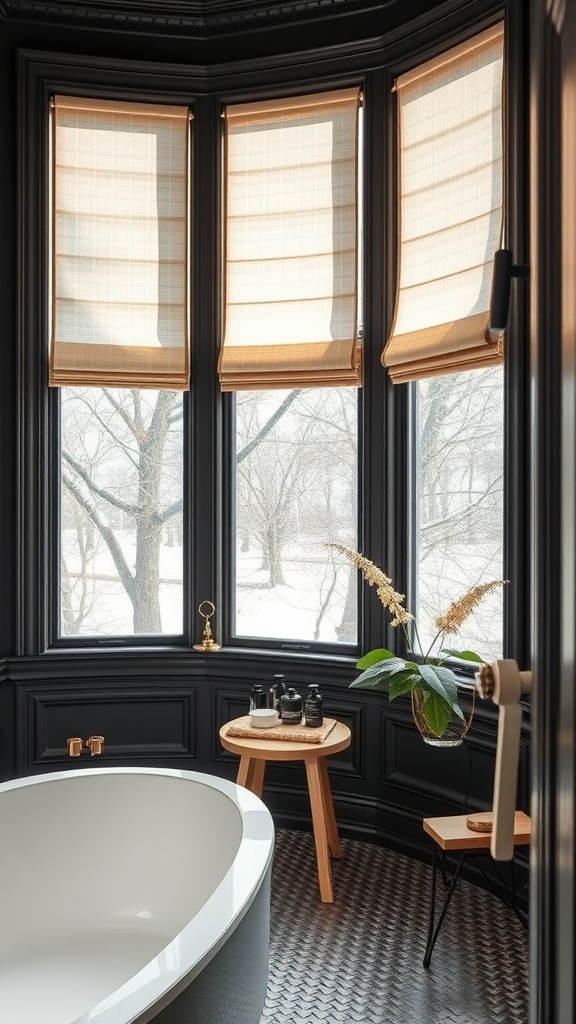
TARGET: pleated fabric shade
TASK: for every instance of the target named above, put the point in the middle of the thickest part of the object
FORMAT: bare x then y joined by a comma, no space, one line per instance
119,244
450,211
291,243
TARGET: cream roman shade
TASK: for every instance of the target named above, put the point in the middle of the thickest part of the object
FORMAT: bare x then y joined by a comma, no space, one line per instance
119,244
450,211
291,243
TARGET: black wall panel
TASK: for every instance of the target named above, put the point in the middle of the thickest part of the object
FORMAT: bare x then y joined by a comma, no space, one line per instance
144,723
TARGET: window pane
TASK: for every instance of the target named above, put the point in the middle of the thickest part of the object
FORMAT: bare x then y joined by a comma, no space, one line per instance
460,503
121,518
296,473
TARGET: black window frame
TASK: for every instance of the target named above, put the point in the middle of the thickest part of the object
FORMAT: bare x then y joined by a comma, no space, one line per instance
386,410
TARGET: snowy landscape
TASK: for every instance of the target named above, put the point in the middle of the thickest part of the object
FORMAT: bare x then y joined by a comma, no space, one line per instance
122,550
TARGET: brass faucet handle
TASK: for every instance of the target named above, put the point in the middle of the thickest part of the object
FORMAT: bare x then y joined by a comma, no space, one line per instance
74,745
95,744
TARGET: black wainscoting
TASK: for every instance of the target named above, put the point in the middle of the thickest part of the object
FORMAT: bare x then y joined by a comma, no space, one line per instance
167,709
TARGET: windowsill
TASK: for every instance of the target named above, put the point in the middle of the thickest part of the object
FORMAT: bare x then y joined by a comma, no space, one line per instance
227,652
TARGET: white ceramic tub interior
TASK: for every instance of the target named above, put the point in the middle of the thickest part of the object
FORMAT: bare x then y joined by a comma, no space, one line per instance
118,886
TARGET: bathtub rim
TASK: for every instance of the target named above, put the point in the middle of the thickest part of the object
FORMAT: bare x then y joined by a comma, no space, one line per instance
152,988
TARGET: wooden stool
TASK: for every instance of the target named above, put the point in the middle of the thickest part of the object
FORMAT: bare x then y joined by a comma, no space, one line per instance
451,834
253,756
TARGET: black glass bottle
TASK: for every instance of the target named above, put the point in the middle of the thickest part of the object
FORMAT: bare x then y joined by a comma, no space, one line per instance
276,690
291,707
314,706
257,697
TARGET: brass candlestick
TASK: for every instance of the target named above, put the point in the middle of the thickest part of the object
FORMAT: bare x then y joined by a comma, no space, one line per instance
208,644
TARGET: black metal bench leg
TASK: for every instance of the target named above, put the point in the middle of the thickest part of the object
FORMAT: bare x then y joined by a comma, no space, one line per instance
434,931
428,952
511,903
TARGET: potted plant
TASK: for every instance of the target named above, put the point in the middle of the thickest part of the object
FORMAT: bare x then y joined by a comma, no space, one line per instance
433,686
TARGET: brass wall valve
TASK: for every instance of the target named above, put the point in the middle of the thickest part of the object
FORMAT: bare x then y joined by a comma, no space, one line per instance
95,744
74,745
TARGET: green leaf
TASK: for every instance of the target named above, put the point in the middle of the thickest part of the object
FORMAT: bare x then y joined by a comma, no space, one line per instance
443,681
401,682
463,655
436,712
377,675
388,666
449,681
372,657
432,674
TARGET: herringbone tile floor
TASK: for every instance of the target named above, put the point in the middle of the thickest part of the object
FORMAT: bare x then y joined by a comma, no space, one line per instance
360,959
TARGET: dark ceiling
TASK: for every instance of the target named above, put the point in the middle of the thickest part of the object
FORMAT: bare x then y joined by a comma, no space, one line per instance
206,18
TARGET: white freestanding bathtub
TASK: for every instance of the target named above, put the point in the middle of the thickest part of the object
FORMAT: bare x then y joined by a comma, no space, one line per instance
133,895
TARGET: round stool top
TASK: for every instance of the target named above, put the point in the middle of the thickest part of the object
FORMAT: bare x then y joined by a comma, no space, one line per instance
285,750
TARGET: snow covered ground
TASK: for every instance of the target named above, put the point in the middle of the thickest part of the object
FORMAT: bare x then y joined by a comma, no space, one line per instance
309,605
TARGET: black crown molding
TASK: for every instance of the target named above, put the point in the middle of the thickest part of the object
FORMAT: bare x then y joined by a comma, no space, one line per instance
197,17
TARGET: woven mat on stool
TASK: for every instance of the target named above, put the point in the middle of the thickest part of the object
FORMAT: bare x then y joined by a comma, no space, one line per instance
298,733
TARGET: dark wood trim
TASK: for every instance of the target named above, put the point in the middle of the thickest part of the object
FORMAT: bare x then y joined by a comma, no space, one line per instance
218,18
547,375
202,16
376,498
518,461
300,69
553,228
8,412
32,332
206,469
563,17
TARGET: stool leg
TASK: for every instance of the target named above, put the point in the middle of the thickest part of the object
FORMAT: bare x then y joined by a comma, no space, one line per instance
243,771
320,831
330,817
257,777
250,773
432,938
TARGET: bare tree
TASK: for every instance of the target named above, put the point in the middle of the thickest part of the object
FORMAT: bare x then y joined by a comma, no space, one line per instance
460,506
116,458
77,591
287,484
137,483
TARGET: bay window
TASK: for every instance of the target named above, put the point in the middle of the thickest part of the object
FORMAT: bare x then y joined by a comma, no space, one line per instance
279,360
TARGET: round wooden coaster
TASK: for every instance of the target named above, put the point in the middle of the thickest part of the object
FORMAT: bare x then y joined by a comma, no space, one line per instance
480,822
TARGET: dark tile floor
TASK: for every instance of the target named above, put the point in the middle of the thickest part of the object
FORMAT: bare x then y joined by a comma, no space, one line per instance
360,959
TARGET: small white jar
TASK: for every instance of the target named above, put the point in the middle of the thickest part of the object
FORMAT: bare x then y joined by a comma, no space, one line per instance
263,718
